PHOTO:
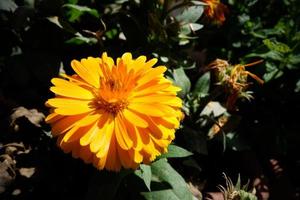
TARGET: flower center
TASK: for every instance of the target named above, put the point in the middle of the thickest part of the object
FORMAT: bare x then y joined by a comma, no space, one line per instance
111,96
113,106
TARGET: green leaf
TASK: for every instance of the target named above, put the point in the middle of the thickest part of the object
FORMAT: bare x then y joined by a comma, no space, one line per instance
145,173
274,55
189,14
195,26
196,140
58,21
78,40
273,45
202,85
74,12
176,152
297,88
8,5
178,188
182,81
105,185
272,72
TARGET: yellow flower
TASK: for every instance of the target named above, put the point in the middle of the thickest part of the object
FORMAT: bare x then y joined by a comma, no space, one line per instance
114,114
215,10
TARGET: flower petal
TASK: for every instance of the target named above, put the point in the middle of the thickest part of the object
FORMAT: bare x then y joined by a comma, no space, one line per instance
66,106
70,89
134,118
122,136
100,143
85,73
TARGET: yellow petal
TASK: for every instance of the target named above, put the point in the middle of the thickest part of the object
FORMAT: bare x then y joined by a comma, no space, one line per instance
52,118
66,106
151,74
93,65
82,127
152,89
100,143
134,135
107,60
161,98
65,123
147,109
88,137
127,58
137,156
85,73
122,136
134,118
69,89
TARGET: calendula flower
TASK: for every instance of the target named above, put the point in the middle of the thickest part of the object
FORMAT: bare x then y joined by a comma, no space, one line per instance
215,11
235,79
115,114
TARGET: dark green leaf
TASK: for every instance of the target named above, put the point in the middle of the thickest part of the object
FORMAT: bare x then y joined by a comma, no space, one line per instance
274,55
104,184
196,140
277,46
189,14
145,173
62,24
74,12
182,81
202,85
176,152
164,171
78,40
8,5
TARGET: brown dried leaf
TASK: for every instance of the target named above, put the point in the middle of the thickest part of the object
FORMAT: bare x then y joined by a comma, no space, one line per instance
33,115
7,172
27,172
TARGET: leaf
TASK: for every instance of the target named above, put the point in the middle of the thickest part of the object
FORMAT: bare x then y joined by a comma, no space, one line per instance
8,5
213,108
274,55
176,152
272,72
133,30
190,162
202,85
277,46
196,140
27,172
182,81
188,14
78,40
164,171
58,21
145,173
74,12
195,27
32,115
105,185
297,88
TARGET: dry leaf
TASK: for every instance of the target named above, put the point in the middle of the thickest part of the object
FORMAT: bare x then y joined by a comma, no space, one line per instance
33,115
27,172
